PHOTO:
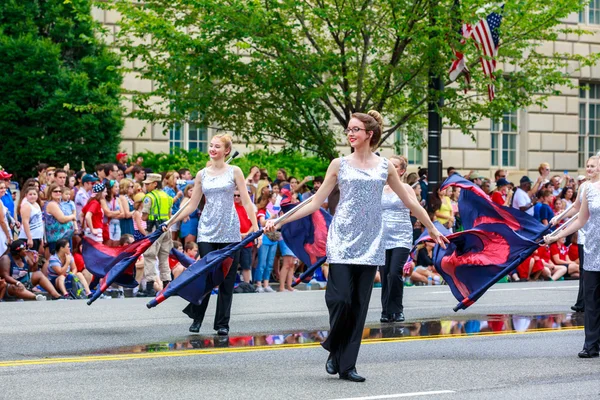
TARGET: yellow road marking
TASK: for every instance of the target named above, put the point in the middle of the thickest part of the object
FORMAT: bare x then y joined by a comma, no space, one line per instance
187,353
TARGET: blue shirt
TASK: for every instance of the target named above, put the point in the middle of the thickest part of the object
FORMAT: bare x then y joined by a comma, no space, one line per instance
542,212
7,200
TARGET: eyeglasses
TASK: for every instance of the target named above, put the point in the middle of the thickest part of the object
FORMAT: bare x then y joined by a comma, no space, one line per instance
57,191
237,195
356,129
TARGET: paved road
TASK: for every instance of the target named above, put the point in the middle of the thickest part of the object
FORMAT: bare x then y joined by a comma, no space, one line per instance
55,350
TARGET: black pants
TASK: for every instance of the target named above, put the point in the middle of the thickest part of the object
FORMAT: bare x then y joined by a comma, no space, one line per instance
579,302
592,310
347,296
225,296
392,286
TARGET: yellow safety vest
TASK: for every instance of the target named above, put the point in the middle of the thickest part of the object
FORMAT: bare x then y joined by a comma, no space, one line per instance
161,205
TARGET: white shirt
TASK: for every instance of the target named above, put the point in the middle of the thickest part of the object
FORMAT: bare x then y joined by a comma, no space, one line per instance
81,199
521,199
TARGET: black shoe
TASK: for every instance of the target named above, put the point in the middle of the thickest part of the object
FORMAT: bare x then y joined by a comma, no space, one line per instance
585,353
223,332
195,327
398,317
330,366
141,293
352,376
577,309
385,318
150,292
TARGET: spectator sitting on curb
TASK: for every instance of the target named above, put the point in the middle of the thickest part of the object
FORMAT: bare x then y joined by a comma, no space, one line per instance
61,265
15,268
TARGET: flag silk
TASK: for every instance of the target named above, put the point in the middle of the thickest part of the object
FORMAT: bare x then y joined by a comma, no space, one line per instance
476,208
182,258
496,240
476,259
203,275
459,64
306,237
115,264
487,39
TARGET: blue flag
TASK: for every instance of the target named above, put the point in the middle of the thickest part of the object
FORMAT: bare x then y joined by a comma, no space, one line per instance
476,208
476,259
496,240
306,237
203,275
116,264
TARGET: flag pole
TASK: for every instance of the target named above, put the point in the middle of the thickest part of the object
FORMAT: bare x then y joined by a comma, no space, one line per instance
564,213
563,226
293,211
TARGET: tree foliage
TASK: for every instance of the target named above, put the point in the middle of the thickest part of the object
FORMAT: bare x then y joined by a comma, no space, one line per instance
293,69
295,163
59,86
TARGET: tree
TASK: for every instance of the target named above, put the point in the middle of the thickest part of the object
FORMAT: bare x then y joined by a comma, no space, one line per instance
287,69
59,86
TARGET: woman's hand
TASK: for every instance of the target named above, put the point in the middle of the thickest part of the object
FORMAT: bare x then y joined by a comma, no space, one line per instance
30,243
270,226
258,242
549,239
438,238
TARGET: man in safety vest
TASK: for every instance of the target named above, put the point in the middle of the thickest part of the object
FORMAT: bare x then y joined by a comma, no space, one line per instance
156,210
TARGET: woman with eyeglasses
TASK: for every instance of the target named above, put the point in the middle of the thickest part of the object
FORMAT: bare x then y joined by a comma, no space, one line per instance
219,225
355,245
127,208
5,234
57,224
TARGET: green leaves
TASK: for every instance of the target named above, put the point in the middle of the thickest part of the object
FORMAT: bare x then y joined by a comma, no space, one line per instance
292,70
59,87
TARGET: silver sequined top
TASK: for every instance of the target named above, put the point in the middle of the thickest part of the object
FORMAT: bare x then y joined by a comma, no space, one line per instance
356,232
219,222
581,233
397,228
591,249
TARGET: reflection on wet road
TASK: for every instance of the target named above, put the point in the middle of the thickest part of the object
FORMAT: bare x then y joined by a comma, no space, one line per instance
490,324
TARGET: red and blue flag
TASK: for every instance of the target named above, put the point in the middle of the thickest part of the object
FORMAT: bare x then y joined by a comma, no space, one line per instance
496,241
203,275
306,237
476,207
115,264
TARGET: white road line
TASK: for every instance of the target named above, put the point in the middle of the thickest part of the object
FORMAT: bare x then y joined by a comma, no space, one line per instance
519,289
399,395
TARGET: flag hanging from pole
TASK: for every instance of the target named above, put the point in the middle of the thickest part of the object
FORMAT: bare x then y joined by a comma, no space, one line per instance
487,39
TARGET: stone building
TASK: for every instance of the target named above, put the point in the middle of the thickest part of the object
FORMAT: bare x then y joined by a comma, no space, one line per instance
563,133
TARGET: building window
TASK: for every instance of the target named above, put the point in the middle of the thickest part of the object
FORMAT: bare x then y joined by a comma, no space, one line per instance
198,138
176,138
589,122
590,15
412,153
504,140
188,136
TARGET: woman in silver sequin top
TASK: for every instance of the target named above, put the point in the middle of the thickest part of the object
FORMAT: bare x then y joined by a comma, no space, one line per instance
355,245
589,216
592,176
219,225
397,237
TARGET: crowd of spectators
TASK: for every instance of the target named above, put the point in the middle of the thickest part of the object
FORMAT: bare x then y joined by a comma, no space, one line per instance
42,225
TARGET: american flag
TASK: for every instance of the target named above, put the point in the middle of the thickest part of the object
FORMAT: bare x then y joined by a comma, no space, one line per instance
487,38
460,64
